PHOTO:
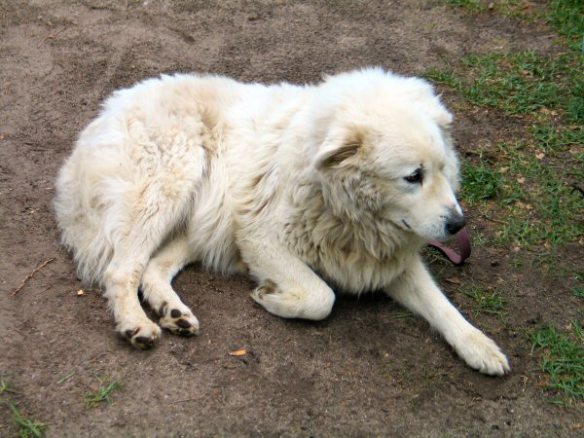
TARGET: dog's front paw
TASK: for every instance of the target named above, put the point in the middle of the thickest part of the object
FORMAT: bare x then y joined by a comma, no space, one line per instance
315,304
482,354
144,335
179,320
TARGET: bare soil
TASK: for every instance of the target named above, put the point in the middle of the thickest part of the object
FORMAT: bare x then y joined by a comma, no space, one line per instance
368,370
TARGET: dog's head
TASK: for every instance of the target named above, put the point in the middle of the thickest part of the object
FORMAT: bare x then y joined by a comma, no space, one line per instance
387,151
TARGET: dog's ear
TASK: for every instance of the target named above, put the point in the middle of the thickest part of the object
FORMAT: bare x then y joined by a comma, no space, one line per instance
424,93
439,113
338,148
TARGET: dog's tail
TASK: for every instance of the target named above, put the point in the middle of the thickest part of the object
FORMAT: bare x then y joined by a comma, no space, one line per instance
81,222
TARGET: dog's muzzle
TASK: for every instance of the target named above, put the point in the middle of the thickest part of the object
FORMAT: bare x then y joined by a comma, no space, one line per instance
454,223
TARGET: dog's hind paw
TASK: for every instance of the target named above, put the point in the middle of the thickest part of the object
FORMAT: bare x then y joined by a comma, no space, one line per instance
143,336
482,354
179,320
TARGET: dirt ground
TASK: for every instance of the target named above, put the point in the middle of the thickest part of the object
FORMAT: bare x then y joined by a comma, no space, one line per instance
368,370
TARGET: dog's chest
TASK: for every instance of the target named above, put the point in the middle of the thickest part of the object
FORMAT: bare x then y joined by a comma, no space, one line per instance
348,256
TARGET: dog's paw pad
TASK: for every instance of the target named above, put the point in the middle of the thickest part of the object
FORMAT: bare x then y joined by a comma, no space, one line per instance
183,323
142,337
180,322
144,342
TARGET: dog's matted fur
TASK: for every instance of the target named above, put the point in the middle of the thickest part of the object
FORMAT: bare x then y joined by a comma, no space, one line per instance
305,187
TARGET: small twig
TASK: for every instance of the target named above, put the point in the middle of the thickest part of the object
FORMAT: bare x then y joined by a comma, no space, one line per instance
495,220
47,288
29,276
185,400
51,36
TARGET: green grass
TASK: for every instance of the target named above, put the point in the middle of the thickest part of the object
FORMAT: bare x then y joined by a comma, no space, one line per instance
66,378
552,139
27,428
444,77
504,7
103,393
472,5
540,206
562,361
579,287
485,301
533,201
529,182
478,239
567,18
480,182
402,314
524,82
4,387
518,83
531,179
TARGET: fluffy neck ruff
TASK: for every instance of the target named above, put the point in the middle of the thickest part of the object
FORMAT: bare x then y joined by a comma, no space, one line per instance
348,244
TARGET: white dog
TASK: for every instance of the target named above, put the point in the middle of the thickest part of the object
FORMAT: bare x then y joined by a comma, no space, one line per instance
304,187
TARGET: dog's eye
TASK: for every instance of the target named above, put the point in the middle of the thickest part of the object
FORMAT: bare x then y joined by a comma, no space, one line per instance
415,178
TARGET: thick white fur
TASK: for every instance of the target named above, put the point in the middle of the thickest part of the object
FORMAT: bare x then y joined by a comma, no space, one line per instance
301,186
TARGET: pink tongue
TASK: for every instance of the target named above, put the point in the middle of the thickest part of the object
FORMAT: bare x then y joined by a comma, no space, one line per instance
463,240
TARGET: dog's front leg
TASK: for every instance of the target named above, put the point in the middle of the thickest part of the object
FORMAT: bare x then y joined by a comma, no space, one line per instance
287,286
416,290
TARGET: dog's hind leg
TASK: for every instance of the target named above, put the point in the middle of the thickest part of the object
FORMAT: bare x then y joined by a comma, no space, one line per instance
124,274
151,212
158,292
416,290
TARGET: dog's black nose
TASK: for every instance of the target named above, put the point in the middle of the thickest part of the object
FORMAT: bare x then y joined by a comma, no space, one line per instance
455,223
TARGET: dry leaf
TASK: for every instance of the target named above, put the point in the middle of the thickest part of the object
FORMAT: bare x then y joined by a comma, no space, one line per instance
540,155
453,280
80,292
524,206
238,353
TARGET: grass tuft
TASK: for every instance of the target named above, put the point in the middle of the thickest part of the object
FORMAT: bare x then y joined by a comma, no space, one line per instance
510,8
486,301
567,18
480,182
471,5
563,360
553,139
579,287
103,394
27,428
4,387
535,200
